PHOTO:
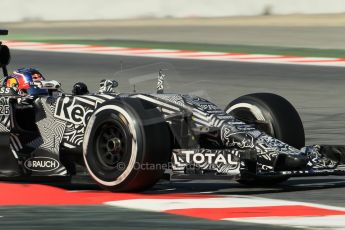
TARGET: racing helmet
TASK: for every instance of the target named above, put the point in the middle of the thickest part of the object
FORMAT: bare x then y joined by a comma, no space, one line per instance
23,80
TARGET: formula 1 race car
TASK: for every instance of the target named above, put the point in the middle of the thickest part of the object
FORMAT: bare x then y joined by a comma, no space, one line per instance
128,141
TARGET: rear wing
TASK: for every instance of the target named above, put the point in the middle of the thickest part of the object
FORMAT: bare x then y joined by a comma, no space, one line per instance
3,32
4,55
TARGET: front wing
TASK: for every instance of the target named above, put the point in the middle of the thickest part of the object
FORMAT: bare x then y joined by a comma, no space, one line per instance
225,163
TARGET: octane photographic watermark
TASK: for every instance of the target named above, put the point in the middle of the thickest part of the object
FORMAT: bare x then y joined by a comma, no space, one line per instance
145,166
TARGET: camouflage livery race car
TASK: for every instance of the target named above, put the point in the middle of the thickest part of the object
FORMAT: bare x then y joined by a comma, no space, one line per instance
128,141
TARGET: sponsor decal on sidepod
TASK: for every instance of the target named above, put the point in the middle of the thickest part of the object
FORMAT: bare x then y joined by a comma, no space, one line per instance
41,164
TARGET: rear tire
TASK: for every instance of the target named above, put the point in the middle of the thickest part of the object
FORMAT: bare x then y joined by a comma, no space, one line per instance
126,145
275,116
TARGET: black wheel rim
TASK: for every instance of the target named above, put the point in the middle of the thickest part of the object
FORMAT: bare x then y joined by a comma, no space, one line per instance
111,144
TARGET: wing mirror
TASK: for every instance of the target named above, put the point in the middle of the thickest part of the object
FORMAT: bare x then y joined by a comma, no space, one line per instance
108,86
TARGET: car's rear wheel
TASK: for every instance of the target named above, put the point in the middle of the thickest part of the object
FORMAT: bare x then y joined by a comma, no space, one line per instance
275,116
126,145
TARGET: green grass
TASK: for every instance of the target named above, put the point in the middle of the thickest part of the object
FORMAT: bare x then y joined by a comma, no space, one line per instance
188,46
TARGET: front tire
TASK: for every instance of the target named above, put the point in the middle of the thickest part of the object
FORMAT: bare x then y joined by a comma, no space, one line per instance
273,115
126,145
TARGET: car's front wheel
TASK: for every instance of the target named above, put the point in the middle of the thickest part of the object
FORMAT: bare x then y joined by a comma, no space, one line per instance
275,116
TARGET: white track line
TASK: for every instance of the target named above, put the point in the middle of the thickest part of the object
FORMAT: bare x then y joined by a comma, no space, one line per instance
315,222
169,204
250,204
218,202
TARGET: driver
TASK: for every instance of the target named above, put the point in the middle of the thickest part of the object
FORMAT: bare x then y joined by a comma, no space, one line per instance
23,81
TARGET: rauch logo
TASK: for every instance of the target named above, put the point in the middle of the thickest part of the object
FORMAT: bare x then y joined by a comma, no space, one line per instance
41,164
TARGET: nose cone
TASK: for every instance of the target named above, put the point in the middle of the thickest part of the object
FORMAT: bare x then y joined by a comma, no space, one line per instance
286,162
333,152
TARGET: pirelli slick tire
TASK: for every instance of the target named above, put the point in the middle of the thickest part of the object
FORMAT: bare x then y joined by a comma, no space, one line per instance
126,145
274,115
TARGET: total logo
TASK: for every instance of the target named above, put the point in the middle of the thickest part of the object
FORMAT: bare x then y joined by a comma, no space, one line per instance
41,164
205,157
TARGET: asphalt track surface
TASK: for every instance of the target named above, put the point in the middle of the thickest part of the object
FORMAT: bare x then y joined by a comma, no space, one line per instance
317,92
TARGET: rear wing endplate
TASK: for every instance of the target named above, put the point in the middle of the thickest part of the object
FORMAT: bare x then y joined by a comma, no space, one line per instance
3,32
